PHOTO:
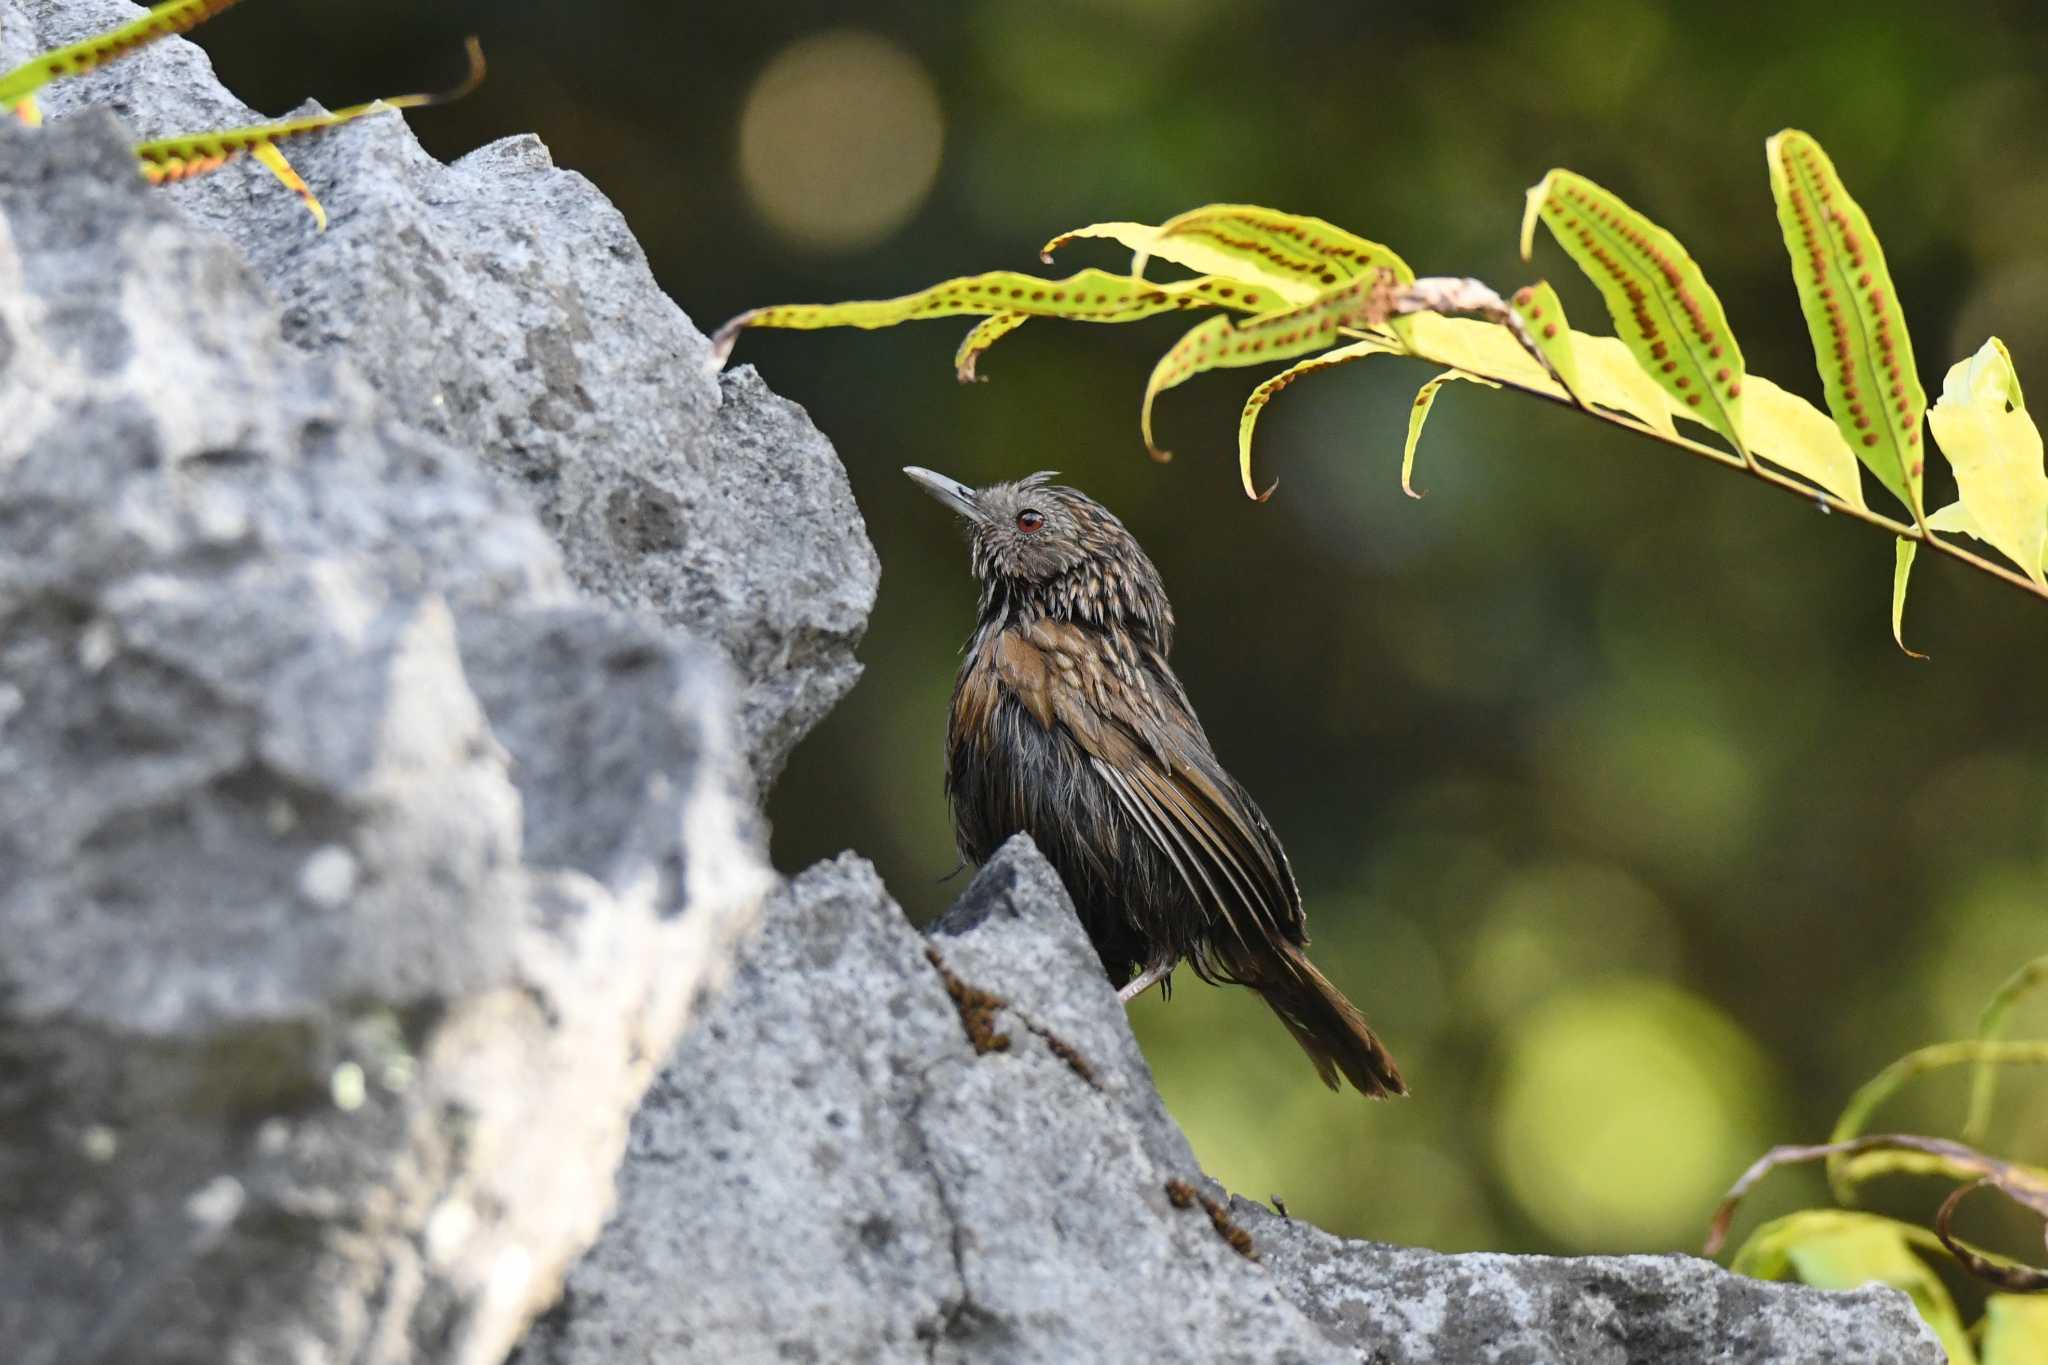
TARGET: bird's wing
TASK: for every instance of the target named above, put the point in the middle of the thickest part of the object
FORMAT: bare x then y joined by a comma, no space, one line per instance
1132,718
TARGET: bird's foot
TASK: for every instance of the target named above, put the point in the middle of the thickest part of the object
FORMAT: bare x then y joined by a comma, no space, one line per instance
1151,976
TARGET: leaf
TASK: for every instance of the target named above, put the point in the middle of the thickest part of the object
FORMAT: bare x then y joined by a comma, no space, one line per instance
1954,517
1982,425
272,160
1984,1075
1282,287
1852,314
1450,294
1089,296
1296,256
1766,1253
187,157
172,17
1542,315
1418,413
1609,375
985,334
2015,1330
1263,394
1220,343
1902,570
1661,304
1795,435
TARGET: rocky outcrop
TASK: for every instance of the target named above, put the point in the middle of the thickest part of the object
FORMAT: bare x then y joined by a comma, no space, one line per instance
355,870
882,1147
502,304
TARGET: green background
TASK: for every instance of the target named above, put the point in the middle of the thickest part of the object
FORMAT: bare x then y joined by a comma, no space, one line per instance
1612,801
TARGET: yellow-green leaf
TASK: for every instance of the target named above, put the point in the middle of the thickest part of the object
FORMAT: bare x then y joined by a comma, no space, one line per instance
1982,426
1314,255
1955,518
1902,570
1542,315
186,157
1795,435
1089,296
2016,1329
1256,404
1282,287
985,334
271,159
1767,1252
1296,256
1220,343
162,21
1418,413
1608,374
1661,304
1852,314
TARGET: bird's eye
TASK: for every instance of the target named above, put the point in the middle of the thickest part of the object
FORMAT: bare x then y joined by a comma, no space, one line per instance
1029,521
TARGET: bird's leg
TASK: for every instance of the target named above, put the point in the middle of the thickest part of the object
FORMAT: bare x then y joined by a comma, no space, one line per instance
1157,972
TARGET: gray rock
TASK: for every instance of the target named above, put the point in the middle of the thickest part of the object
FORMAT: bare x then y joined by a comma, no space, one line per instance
502,304
833,1169
867,1153
354,871
1399,1306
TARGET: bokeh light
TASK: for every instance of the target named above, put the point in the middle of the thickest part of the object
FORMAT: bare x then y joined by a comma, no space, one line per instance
839,140
1622,1112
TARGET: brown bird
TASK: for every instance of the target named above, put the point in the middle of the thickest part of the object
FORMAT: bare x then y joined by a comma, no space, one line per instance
1069,725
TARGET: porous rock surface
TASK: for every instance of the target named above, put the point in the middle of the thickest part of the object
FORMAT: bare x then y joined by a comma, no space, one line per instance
879,1147
356,870
502,304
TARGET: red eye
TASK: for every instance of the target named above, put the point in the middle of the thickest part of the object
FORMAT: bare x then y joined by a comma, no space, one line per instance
1028,521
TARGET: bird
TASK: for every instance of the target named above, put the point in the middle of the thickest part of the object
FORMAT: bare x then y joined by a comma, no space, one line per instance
1068,724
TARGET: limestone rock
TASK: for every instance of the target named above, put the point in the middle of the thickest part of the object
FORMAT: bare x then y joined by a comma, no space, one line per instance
501,303
355,872
879,1147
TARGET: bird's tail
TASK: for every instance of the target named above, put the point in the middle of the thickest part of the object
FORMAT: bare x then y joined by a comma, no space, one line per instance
1329,1028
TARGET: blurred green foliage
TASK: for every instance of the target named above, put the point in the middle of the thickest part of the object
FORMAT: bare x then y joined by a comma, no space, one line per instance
1612,801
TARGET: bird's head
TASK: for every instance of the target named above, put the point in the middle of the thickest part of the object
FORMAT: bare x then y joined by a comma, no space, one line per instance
1041,546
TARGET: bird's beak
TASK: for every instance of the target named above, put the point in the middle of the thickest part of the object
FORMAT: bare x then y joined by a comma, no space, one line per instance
951,492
